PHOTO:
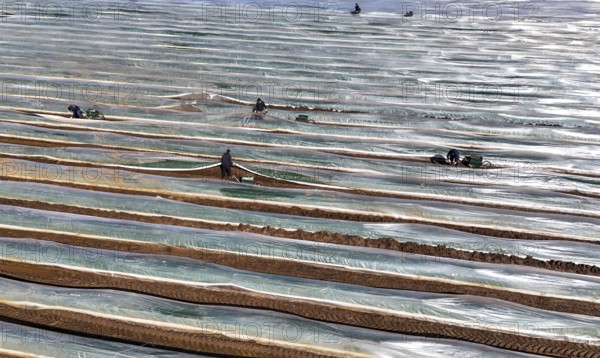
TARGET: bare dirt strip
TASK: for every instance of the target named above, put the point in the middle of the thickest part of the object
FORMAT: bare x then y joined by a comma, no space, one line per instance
160,335
414,159
343,152
322,236
209,173
12,354
56,143
305,210
214,173
40,142
228,295
340,151
294,268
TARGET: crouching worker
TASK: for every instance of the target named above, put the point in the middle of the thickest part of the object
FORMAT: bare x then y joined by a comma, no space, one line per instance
259,107
75,111
453,156
226,164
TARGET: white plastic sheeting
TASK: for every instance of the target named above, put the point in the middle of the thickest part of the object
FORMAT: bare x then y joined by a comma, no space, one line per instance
376,61
568,251
576,226
376,70
461,310
524,186
502,277
546,148
46,343
542,249
242,323
103,156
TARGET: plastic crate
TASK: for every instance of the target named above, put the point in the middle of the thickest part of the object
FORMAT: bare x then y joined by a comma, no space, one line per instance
476,160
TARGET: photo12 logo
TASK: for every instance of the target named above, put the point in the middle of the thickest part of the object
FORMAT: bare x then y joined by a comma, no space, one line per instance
448,12
72,11
25,91
474,93
272,11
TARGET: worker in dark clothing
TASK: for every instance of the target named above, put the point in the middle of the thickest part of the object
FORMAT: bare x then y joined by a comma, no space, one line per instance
76,111
260,106
357,9
453,156
226,164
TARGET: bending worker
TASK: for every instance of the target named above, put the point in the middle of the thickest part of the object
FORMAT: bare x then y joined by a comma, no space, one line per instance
226,164
453,156
260,106
76,111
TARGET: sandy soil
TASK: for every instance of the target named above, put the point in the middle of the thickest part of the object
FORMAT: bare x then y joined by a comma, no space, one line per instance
341,152
322,236
9,354
212,342
214,173
156,335
281,208
272,265
524,342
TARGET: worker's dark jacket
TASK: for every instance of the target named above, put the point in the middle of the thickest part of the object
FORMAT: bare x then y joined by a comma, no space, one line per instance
226,160
453,154
260,106
77,112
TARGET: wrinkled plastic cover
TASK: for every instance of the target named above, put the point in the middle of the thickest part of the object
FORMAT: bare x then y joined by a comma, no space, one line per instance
33,340
529,280
335,201
545,250
309,165
242,323
462,310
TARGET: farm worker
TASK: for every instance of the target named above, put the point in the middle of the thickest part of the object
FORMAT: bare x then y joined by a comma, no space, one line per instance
259,106
453,156
77,112
226,164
